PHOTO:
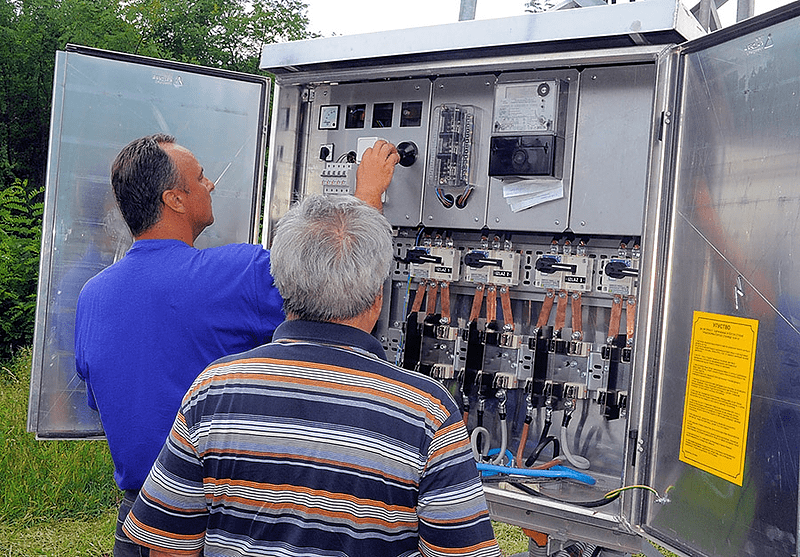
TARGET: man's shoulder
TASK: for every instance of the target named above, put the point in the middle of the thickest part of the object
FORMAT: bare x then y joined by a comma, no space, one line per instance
232,253
111,274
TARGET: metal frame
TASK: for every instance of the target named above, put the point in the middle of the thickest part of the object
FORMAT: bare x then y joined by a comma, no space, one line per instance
522,45
559,32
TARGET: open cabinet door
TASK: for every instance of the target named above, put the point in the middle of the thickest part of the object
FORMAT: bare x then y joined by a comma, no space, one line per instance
727,434
101,102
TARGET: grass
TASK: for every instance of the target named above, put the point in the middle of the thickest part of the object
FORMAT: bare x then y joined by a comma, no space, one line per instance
510,538
58,498
90,537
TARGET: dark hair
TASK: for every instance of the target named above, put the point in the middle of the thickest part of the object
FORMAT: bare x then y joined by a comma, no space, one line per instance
330,257
141,172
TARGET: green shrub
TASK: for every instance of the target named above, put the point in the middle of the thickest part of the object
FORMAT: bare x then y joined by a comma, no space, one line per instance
20,239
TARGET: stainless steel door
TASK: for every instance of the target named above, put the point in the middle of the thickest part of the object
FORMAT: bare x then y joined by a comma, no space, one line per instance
101,101
733,256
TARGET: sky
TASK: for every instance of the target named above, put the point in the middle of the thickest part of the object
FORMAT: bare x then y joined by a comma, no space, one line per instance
351,17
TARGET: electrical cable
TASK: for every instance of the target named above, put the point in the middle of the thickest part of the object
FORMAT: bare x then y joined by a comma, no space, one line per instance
446,200
503,441
589,549
502,414
584,504
461,200
554,472
523,439
503,455
577,461
480,429
544,440
608,498
478,434
540,447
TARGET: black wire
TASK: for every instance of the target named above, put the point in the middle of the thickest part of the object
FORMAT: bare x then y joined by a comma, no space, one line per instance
540,447
584,504
545,430
544,440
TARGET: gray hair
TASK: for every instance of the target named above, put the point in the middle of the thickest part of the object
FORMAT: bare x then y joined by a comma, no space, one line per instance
330,258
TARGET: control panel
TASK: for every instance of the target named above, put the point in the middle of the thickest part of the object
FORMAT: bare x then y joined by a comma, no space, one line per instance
496,290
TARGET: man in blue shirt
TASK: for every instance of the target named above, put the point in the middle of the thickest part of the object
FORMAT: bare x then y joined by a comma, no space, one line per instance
148,325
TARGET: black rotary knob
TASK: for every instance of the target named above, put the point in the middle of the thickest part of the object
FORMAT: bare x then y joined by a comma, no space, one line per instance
408,153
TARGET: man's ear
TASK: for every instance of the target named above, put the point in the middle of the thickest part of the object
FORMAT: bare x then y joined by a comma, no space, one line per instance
174,199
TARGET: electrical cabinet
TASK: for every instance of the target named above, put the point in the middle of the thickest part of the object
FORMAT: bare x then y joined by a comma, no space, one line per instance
594,218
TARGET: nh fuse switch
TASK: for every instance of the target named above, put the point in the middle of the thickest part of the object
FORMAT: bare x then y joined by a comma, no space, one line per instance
433,262
564,272
499,267
619,276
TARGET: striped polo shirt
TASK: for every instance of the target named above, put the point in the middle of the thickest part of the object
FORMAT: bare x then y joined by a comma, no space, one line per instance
314,445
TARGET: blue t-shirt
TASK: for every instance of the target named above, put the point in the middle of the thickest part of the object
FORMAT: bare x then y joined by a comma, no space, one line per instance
149,324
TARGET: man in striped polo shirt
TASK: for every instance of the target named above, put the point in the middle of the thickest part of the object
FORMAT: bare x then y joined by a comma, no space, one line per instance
314,444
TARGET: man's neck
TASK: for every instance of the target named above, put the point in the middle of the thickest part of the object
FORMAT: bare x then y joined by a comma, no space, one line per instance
365,321
164,231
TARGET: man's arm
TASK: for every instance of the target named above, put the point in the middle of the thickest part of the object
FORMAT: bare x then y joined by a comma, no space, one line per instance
452,511
375,172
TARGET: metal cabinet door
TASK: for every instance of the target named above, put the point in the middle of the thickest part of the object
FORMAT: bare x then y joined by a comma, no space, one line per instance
102,101
733,260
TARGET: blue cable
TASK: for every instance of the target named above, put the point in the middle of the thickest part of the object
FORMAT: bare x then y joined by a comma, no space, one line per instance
554,472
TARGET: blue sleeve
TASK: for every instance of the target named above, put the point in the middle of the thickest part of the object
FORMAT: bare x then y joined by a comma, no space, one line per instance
80,362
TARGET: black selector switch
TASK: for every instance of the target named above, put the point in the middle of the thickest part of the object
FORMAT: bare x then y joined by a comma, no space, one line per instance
408,153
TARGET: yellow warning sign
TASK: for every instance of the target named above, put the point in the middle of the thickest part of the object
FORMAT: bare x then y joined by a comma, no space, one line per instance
718,391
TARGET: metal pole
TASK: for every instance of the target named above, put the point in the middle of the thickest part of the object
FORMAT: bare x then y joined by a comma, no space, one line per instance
744,9
467,11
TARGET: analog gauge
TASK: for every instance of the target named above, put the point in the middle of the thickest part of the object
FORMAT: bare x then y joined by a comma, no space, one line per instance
329,117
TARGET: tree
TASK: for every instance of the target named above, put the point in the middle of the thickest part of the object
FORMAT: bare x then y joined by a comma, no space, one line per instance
30,33
225,34
219,33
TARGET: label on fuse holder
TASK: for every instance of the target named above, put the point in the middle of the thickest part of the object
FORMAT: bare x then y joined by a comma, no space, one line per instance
500,267
435,263
579,280
564,272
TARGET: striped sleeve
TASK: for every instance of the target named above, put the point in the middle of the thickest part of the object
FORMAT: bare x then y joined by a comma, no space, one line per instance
452,511
170,513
